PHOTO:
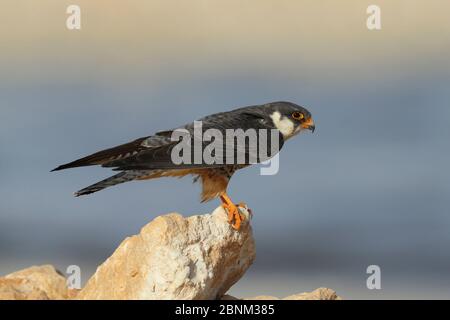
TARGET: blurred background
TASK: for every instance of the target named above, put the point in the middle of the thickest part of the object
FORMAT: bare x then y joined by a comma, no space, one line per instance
370,186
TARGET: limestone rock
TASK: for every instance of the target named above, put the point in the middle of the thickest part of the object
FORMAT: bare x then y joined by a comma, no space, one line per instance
228,297
34,283
318,294
72,293
263,297
198,257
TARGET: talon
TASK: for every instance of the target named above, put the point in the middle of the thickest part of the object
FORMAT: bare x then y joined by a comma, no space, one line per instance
237,223
235,217
230,210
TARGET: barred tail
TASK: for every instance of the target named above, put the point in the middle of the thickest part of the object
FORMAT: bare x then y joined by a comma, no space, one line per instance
121,177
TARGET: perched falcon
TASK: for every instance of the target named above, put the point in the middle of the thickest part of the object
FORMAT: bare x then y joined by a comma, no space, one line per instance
151,157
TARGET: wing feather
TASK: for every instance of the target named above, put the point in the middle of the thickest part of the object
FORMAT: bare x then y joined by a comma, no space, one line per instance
161,157
155,152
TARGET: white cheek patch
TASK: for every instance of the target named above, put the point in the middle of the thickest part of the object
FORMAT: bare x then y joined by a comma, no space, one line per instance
284,124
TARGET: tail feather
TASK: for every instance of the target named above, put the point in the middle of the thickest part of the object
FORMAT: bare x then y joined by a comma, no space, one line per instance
101,157
121,177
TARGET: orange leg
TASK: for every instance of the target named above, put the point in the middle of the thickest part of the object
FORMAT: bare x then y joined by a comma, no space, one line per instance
233,211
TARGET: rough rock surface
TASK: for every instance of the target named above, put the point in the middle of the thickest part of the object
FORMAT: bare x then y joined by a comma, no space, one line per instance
34,283
198,257
318,294
263,297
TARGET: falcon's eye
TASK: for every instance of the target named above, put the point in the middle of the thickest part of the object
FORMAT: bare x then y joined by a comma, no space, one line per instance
298,115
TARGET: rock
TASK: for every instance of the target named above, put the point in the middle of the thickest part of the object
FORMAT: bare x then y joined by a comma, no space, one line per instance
20,289
228,297
262,298
34,283
72,293
318,294
198,257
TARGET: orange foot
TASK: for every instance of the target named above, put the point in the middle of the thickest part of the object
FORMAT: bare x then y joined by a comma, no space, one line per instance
235,217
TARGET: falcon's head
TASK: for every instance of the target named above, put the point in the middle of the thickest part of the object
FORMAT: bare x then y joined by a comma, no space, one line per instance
289,118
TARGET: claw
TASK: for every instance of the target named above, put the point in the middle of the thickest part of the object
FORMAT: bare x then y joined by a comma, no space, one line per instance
230,209
235,215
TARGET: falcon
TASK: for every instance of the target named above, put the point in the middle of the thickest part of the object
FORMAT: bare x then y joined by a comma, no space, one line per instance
151,157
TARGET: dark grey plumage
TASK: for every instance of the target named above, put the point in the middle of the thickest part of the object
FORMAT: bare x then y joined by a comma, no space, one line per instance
150,157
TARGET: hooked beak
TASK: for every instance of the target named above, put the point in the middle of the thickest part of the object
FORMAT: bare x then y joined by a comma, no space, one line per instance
309,124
